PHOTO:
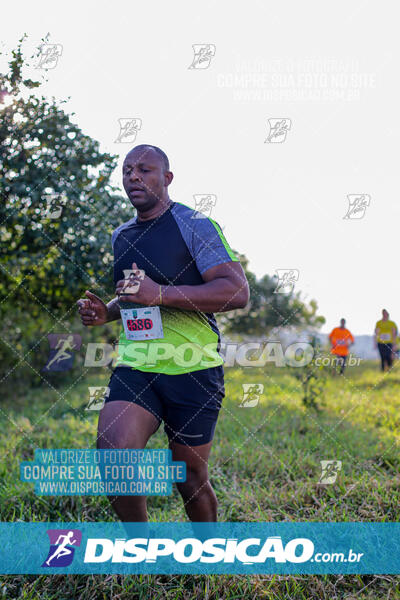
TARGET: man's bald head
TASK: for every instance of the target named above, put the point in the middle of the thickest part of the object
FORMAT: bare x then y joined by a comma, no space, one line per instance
144,149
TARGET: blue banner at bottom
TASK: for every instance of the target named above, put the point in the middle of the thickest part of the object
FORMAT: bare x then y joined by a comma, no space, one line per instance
195,548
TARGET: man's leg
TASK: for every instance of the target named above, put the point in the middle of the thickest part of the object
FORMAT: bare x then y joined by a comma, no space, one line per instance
343,364
192,405
385,358
389,356
198,496
333,365
381,350
124,424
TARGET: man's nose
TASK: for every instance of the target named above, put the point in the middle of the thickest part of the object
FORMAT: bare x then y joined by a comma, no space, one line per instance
134,176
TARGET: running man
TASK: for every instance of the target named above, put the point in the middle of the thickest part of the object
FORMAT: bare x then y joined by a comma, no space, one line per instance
190,273
385,338
62,550
63,345
341,339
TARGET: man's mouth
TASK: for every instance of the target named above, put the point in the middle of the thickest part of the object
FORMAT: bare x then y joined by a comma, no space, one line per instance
136,190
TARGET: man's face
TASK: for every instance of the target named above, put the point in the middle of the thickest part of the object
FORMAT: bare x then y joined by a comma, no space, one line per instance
385,314
144,178
342,323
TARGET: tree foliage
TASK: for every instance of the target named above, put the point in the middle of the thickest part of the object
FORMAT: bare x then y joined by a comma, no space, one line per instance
45,158
46,263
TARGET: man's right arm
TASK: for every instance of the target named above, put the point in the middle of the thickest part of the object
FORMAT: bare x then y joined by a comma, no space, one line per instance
113,310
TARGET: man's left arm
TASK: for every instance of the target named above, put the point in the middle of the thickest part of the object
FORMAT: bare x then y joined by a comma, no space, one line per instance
225,288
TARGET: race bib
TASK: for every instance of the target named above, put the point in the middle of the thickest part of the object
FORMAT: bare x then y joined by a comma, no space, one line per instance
385,337
142,323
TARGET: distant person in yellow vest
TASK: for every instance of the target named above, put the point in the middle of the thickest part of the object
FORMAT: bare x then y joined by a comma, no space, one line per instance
341,339
385,339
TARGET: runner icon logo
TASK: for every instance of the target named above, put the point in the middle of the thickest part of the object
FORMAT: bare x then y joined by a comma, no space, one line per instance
48,56
132,278
203,54
251,394
62,348
204,205
278,129
286,280
54,206
128,129
98,395
329,471
62,547
357,206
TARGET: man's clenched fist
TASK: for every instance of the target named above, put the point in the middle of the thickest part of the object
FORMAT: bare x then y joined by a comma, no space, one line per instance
92,310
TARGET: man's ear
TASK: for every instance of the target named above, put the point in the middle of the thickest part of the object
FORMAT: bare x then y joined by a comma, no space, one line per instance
168,177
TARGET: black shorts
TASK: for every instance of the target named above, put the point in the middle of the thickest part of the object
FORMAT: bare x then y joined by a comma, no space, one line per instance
188,404
386,353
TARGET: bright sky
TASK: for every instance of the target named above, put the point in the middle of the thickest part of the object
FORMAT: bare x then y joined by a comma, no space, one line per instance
331,68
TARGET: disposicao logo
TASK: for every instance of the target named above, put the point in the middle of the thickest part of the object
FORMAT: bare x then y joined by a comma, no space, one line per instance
189,550
62,547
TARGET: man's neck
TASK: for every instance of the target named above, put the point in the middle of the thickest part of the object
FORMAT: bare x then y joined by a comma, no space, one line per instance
154,212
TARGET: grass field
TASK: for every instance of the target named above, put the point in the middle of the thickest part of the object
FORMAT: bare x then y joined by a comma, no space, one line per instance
265,466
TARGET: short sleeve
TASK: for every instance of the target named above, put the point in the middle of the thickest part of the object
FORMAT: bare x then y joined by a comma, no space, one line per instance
203,237
209,244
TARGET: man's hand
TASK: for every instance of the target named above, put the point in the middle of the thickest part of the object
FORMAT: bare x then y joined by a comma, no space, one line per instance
92,310
148,292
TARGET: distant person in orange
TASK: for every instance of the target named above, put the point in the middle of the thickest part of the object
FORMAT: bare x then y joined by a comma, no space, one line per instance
341,339
385,340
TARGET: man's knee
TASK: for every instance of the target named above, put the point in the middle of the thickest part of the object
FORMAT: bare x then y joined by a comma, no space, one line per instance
196,484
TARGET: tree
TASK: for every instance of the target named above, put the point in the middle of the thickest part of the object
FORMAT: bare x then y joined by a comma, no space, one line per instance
47,160
57,212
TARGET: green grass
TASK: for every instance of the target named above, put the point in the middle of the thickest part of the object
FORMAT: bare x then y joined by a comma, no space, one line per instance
265,466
